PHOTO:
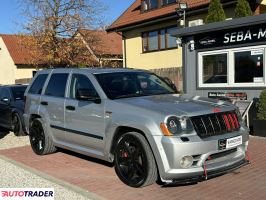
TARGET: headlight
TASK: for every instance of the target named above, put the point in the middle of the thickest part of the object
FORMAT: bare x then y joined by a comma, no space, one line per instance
175,126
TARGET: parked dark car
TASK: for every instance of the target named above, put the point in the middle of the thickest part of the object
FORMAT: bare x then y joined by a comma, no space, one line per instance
11,108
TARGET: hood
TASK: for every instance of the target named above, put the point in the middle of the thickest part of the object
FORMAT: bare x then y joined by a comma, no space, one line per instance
180,105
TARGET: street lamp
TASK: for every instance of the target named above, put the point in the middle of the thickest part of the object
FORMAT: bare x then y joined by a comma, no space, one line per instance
182,12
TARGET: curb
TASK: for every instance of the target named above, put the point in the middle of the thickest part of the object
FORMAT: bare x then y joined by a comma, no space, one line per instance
57,181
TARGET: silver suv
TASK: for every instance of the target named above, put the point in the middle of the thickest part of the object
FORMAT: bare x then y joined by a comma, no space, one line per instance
134,119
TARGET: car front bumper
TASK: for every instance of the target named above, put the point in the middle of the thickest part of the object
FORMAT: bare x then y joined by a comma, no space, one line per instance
208,160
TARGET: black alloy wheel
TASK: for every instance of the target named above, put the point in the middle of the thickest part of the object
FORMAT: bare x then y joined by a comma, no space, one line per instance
37,137
134,161
17,125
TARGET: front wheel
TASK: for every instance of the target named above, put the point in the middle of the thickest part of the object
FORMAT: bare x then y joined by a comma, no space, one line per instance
40,141
134,161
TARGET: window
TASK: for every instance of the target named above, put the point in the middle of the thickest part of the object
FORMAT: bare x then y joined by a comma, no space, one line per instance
18,92
81,83
163,39
232,67
166,2
149,4
249,66
158,40
153,4
215,68
153,41
38,84
171,40
125,85
5,94
57,85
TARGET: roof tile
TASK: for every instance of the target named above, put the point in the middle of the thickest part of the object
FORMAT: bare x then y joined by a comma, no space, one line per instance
133,14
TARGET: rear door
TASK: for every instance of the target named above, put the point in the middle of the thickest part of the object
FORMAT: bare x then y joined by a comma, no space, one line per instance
52,103
5,108
84,118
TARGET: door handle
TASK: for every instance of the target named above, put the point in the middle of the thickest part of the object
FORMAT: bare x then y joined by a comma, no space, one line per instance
44,103
70,108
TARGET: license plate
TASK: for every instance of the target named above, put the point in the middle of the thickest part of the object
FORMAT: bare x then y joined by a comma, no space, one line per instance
229,142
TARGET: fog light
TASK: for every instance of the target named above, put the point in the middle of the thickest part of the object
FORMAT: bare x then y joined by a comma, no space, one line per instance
186,161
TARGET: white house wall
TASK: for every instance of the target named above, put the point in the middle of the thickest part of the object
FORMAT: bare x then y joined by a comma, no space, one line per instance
7,66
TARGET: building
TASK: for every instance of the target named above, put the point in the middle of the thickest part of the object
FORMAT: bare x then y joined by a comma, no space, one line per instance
106,48
18,66
226,59
146,28
15,61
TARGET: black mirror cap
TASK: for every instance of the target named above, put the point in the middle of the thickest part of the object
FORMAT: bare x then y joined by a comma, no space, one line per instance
87,95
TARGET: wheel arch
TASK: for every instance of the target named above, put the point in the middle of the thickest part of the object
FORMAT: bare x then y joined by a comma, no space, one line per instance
33,117
121,130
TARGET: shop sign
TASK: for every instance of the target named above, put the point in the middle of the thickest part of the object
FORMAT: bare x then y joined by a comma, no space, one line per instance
234,36
228,95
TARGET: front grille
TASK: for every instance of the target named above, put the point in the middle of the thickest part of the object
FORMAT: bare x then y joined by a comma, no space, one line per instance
215,124
223,154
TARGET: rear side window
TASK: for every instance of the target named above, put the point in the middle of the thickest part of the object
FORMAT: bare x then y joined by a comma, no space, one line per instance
36,87
18,92
57,85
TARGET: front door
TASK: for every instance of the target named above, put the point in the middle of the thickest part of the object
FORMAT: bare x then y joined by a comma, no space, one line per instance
84,115
5,108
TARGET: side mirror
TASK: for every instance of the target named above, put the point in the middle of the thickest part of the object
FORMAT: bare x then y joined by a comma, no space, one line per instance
5,100
88,95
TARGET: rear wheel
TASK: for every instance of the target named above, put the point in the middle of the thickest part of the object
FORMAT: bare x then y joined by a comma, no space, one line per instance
40,141
134,161
17,125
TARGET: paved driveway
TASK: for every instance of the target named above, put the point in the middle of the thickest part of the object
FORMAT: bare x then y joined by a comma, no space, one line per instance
98,177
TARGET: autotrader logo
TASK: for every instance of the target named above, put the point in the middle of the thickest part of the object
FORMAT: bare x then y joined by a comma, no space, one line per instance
26,193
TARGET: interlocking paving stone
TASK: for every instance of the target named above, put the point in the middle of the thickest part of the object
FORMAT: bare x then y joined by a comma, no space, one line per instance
99,177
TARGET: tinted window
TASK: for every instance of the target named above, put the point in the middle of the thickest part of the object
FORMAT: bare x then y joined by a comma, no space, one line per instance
38,83
249,67
18,92
124,85
80,83
57,85
5,93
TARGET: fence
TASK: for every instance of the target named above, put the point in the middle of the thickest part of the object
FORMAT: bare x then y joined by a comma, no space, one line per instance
173,73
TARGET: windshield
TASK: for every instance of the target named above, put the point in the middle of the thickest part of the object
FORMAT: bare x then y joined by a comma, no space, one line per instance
132,84
18,92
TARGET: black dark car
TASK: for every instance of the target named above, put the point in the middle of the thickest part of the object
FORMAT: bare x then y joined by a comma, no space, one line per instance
11,108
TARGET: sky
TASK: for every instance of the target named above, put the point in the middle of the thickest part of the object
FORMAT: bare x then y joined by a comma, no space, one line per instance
11,18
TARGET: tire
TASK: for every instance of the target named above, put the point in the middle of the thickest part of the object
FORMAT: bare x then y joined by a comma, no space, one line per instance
17,125
134,161
40,141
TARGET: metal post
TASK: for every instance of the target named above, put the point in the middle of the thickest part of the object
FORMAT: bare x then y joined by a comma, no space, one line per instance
184,18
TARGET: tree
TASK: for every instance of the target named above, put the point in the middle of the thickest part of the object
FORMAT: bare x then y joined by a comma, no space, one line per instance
261,106
54,26
215,12
242,9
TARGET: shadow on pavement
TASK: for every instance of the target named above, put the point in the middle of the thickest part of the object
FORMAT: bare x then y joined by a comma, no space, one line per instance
3,132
